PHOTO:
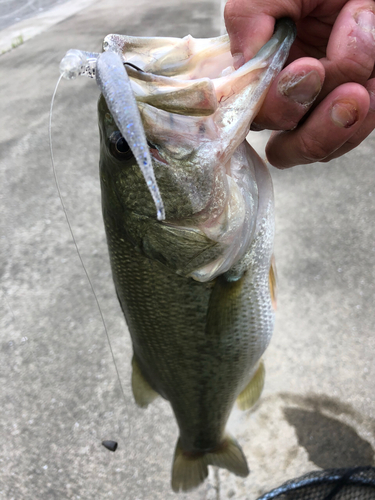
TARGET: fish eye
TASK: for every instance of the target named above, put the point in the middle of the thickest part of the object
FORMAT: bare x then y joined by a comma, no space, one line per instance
118,147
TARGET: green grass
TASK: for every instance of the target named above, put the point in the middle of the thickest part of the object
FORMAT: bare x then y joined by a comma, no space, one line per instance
17,42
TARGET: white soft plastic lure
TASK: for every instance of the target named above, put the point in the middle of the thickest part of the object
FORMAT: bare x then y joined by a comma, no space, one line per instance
113,81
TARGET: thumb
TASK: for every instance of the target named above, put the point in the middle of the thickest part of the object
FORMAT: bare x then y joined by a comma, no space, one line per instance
250,24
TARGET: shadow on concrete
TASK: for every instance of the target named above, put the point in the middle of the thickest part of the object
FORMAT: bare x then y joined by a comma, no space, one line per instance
329,442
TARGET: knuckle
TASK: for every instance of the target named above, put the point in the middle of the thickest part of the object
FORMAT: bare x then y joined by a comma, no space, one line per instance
288,124
312,148
355,69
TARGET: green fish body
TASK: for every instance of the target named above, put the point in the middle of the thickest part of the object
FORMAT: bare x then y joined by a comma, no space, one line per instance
196,289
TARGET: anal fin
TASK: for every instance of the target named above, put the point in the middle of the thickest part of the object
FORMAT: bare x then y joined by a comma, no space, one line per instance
142,391
250,395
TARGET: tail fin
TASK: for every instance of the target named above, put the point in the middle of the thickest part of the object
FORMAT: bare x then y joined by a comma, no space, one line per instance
190,470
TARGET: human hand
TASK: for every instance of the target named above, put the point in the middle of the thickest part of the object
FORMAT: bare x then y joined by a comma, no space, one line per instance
322,104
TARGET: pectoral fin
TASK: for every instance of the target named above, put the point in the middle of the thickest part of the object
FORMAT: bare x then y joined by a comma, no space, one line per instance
250,395
142,391
272,281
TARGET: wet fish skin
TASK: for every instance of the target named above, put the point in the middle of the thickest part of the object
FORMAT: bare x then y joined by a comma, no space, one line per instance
199,317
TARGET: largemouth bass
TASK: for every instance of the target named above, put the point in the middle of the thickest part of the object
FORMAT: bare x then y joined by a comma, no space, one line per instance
196,288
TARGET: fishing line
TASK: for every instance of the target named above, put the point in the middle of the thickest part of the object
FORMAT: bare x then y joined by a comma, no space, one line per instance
75,243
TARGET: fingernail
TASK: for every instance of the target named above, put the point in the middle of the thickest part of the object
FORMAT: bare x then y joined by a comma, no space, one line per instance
303,89
344,113
238,60
366,20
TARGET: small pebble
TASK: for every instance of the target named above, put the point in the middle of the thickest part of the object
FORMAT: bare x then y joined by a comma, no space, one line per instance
110,445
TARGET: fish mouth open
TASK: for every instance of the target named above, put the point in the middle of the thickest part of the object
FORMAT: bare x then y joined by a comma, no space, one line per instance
193,78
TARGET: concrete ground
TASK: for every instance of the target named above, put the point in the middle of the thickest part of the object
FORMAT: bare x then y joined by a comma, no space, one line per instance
60,396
